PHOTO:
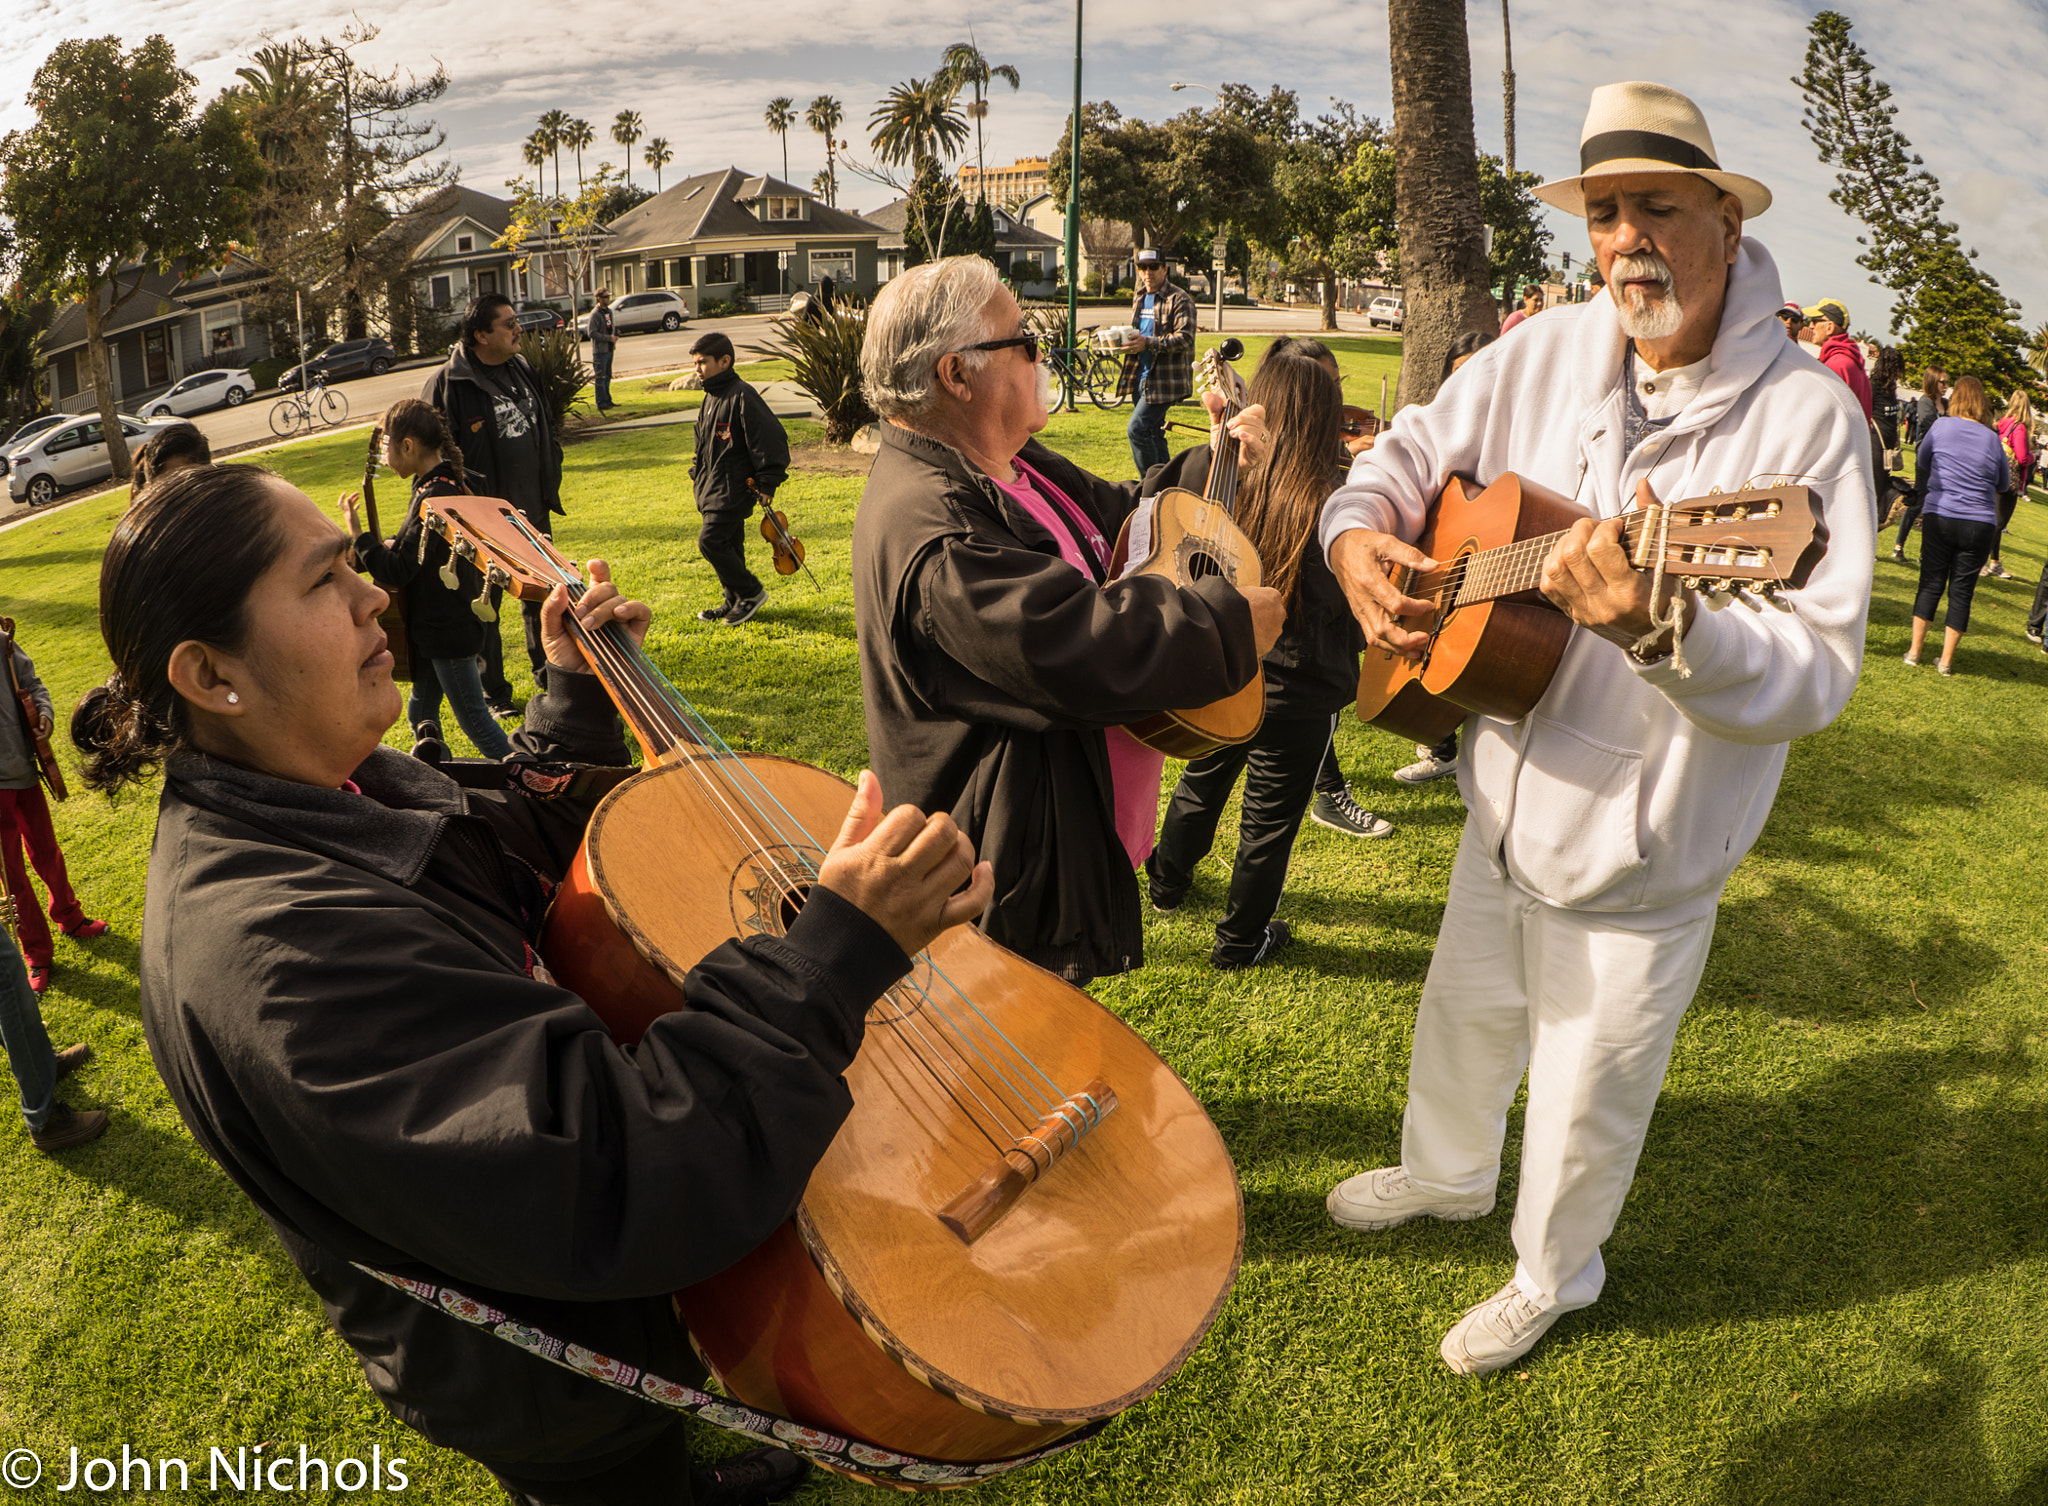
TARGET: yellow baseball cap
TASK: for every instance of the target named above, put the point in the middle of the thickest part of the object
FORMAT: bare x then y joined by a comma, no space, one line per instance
1831,309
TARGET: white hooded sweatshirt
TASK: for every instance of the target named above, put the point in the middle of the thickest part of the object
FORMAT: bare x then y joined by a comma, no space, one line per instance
1629,790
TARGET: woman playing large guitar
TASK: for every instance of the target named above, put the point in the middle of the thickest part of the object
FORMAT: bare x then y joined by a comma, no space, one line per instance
342,992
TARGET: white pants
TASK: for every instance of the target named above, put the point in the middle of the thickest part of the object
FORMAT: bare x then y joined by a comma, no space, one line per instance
1590,1010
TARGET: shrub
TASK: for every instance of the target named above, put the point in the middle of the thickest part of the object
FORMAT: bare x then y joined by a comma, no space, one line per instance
825,351
719,308
557,360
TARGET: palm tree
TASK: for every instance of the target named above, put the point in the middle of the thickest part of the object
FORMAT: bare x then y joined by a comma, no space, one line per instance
1507,84
918,122
824,116
625,131
780,117
657,156
821,185
1436,194
963,64
2038,356
535,151
576,136
553,127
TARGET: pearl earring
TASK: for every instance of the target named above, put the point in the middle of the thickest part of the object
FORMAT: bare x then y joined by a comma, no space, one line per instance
233,699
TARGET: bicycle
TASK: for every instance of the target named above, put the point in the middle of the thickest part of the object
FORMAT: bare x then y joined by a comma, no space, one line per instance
1081,368
295,412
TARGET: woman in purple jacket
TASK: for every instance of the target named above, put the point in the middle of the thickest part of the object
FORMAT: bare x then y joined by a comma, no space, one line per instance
1962,470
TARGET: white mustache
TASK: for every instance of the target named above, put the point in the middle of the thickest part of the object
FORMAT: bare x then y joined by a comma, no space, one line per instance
1641,265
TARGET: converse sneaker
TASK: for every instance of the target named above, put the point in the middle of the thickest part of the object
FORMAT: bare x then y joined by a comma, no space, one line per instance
1427,766
1383,1199
744,609
1342,813
1496,1333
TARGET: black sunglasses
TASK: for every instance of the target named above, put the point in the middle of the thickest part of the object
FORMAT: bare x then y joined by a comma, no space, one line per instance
1028,341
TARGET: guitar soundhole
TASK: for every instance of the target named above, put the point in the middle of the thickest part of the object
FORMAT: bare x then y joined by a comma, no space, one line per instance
770,886
1201,566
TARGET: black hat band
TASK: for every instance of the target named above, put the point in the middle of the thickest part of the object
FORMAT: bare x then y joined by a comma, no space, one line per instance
1649,146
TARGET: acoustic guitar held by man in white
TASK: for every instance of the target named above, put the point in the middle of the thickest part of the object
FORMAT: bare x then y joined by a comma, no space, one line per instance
1602,826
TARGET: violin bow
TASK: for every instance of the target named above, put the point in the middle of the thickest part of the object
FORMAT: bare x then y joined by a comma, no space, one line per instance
782,528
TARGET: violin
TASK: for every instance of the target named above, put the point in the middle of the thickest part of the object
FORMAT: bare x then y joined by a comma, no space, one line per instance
1356,423
788,548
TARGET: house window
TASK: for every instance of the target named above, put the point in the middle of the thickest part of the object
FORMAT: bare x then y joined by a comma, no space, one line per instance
782,209
222,330
486,282
464,244
717,270
440,294
654,277
837,265
679,272
627,270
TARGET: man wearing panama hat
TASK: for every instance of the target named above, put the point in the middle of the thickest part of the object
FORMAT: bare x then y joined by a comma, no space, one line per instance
1602,826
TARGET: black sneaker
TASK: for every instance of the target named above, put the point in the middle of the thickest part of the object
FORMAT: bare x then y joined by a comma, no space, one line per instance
715,614
1277,935
759,1475
1164,901
744,609
1342,813
504,708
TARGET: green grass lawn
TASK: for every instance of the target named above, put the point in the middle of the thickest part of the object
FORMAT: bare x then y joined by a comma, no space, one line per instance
1826,1286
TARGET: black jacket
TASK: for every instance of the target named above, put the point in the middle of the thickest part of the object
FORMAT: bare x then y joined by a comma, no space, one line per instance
990,669
1313,670
439,623
737,438
464,397
341,994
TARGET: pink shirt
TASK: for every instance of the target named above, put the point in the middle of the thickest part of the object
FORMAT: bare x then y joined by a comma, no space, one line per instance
1134,769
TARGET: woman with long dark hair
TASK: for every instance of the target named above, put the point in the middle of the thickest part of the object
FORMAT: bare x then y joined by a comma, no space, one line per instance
443,626
341,991
1962,470
1310,673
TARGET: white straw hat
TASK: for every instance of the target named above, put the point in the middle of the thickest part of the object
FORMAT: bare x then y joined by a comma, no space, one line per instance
1647,128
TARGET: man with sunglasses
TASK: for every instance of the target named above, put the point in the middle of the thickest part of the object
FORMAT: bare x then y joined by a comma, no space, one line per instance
1159,361
1001,655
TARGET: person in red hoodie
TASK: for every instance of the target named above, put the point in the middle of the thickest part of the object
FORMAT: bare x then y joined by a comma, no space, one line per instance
1840,354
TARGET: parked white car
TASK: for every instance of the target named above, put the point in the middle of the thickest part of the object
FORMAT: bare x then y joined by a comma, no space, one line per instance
1385,311
73,454
637,312
203,390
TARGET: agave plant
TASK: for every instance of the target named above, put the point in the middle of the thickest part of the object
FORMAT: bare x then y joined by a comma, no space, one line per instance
557,360
825,350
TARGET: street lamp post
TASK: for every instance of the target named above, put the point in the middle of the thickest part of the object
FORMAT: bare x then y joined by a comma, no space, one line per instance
1222,244
1074,211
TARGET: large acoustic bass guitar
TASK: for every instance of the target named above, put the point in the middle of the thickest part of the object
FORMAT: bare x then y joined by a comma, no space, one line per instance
1026,1224
392,618
1191,537
1495,641
24,702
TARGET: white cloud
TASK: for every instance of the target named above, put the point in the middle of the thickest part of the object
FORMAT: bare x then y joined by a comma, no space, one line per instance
1965,76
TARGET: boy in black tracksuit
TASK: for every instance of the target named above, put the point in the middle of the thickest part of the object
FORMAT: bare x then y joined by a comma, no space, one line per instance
738,441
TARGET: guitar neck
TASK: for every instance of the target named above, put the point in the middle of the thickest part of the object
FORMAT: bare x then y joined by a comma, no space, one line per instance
1510,570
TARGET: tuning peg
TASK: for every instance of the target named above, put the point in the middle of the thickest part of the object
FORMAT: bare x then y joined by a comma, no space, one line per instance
498,576
448,575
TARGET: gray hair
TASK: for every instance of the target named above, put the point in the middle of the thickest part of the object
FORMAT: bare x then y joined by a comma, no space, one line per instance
919,316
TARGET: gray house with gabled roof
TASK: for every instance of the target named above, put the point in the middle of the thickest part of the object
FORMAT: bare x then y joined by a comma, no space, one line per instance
178,322
743,239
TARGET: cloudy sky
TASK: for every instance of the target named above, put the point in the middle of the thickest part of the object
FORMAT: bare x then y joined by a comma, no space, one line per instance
1967,77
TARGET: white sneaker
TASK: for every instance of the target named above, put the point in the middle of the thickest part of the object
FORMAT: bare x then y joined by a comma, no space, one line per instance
1496,1333
1384,1198
1427,766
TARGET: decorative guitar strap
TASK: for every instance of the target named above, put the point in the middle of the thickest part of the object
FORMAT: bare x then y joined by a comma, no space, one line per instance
877,1466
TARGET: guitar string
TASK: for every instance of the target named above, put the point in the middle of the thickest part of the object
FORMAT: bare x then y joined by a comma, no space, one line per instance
684,718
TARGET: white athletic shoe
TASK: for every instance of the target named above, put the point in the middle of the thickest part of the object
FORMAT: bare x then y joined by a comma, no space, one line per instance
1496,1333
1427,766
1384,1198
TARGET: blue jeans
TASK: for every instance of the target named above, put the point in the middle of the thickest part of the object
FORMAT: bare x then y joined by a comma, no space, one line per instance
27,1043
463,683
601,368
1147,434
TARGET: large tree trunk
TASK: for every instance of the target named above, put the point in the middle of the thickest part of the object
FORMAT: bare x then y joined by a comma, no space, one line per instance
1436,190
1327,274
103,385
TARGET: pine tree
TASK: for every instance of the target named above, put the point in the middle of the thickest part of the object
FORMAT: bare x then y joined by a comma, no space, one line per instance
1952,311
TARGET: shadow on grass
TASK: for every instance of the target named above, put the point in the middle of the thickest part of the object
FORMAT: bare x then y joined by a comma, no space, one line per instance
1925,1442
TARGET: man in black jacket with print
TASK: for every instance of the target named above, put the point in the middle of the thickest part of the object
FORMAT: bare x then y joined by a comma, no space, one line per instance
741,456
499,416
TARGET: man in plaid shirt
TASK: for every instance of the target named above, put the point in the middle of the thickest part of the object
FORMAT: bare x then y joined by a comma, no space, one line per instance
1159,364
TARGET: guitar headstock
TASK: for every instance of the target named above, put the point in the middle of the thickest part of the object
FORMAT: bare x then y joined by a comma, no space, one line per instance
495,536
375,456
1214,370
1767,535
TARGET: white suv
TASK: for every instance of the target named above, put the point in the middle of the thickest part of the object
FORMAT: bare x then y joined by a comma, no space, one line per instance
635,312
1383,310
203,390
70,454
